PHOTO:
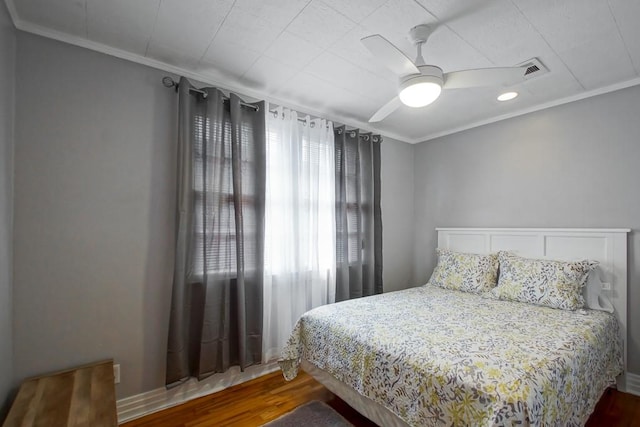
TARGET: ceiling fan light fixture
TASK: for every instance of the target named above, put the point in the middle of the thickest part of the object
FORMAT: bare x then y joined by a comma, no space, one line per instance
507,96
420,91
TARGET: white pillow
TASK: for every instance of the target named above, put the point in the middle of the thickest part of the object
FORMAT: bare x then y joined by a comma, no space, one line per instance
595,297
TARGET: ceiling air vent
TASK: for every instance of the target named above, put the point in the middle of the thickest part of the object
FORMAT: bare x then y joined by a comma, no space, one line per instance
534,68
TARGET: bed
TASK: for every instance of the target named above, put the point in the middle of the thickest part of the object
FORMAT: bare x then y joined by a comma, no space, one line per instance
433,356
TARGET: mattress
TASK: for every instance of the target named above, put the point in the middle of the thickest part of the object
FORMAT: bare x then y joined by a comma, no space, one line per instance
433,356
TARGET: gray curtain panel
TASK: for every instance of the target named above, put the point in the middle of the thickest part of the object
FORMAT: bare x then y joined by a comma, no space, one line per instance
216,307
358,215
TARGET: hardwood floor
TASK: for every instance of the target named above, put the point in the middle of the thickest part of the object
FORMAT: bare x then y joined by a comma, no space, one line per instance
264,399
616,409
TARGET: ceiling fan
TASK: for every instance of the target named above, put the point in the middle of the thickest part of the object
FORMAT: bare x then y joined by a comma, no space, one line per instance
421,84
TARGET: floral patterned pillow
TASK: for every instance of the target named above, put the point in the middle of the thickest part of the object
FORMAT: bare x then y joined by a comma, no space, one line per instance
465,272
556,284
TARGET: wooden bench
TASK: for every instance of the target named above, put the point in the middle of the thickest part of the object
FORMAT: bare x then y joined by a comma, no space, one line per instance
83,396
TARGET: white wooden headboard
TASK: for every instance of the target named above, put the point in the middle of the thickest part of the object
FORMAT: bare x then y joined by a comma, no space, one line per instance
607,246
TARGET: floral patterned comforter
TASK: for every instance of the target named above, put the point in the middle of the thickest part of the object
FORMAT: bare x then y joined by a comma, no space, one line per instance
440,357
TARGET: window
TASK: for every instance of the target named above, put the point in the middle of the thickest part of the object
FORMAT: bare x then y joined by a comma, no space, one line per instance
300,195
353,205
215,246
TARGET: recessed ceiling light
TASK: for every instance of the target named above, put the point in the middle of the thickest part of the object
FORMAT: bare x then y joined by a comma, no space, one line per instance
507,96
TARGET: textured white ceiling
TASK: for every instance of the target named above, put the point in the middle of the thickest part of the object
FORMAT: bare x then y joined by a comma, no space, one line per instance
307,53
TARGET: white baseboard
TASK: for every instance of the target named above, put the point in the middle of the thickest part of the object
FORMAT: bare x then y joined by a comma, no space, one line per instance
152,401
633,383
143,404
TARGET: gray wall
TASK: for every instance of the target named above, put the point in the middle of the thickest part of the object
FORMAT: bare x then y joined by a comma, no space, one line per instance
576,165
397,214
7,84
94,202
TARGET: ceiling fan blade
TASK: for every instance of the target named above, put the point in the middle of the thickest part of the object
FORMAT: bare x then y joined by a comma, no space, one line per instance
505,76
385,110
390,55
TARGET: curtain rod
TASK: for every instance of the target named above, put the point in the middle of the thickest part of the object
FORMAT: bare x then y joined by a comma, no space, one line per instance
352,132
300,119
365,136
168,82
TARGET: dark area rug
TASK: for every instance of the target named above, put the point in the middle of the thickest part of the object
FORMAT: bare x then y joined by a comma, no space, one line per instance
312,414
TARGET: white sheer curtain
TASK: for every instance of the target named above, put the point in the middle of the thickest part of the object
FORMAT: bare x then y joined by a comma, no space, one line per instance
300,241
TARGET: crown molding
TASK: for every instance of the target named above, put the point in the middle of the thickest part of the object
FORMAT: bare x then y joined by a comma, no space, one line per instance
225,83
13,13
218,81
567,100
